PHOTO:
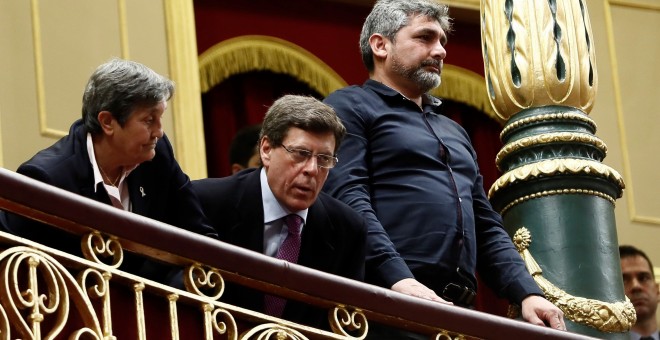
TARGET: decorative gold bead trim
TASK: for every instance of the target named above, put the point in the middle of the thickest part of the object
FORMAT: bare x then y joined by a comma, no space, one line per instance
604,316
555,137
548,116
553,167
557,192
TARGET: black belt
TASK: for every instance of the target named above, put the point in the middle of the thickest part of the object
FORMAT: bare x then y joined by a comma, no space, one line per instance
459,295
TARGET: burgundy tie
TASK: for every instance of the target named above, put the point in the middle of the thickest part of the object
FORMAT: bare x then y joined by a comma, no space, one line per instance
288,251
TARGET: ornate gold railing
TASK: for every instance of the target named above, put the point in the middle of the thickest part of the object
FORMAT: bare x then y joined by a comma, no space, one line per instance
45,293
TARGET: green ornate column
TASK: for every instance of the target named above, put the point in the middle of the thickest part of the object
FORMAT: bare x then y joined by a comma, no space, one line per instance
556,197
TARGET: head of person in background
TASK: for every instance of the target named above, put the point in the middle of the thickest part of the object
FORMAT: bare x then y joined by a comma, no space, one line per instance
298,143
243,151
641,288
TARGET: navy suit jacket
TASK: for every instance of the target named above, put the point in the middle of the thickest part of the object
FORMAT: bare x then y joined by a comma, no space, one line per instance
167,194
333,238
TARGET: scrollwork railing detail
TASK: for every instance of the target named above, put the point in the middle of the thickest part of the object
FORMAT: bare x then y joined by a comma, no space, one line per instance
352,324
104,251
99,289
45,293
5,332
219,321
86,334
224,323
446,335
603,316
273,331
205,282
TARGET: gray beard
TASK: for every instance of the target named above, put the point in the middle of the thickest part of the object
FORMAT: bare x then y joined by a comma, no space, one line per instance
426,81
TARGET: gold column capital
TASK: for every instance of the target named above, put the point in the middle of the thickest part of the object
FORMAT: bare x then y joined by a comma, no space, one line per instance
538,53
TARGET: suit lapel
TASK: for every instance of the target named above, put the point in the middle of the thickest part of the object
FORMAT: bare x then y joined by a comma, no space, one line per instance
247,230
318,239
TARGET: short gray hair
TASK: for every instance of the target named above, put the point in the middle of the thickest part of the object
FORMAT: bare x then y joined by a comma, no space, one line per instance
120,86
388,16
304,112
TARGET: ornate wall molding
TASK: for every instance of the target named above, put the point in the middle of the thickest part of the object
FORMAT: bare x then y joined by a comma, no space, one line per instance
619,109
44,129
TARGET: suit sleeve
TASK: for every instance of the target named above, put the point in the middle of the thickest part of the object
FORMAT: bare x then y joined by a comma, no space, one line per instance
349,182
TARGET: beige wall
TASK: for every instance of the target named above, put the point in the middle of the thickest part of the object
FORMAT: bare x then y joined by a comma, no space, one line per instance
50,48
626,111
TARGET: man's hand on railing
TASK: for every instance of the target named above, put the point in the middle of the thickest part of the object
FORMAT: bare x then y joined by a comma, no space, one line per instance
539,311
415,288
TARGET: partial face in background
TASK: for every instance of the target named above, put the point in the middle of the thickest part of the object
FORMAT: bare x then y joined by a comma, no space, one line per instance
640,286
253,162
296,184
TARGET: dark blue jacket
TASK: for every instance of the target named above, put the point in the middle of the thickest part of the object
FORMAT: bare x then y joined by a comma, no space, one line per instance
413,174
66,165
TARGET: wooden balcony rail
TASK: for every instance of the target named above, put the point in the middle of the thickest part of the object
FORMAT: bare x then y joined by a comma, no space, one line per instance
350,300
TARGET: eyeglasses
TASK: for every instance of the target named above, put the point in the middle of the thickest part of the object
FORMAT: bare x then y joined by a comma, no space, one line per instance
302,156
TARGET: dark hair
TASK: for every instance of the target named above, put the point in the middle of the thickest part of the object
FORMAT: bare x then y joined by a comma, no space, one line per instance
244,145
120,86
306,113
630,251
388,16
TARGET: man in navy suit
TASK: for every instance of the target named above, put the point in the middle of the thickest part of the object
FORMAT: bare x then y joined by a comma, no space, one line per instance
118,154
297,145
